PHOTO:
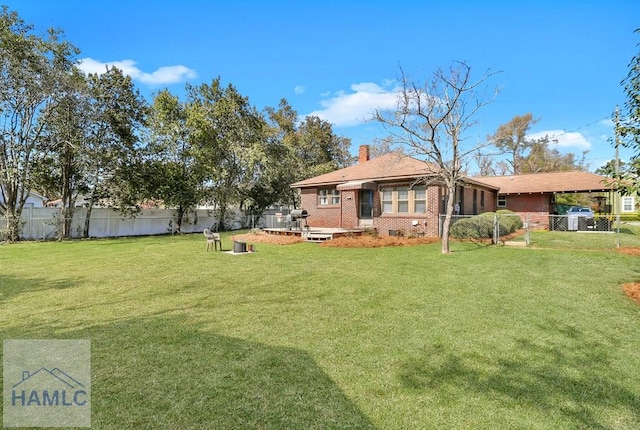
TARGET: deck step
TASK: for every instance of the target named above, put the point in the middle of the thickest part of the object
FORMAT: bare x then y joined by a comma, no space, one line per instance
317,237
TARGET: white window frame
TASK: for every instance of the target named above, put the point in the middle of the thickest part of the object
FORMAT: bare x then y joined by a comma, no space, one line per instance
335,197
628,204
502,201
323,197
328,197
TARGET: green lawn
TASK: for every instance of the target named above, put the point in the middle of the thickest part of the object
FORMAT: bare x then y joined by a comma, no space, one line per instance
302,336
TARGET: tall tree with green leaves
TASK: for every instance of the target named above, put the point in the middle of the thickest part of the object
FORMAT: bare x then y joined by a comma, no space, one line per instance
63,170
31,67
525,155
93,129
305,148
116,117
627,128
511,139
543,158
229,136
172,170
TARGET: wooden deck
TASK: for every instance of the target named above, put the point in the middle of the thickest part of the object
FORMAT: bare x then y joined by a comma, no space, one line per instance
314,234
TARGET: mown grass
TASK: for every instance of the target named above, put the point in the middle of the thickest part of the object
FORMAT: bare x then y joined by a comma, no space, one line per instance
627,235
302,336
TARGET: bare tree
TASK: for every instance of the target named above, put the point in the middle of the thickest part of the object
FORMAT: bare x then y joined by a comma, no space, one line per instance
431,119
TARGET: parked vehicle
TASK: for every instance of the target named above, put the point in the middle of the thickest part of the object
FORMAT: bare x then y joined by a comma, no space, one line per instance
580,211
580,218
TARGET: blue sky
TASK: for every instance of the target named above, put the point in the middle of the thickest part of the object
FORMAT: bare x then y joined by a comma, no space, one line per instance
560,60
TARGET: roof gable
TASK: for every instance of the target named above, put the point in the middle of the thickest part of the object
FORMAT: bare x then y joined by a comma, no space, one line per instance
386,167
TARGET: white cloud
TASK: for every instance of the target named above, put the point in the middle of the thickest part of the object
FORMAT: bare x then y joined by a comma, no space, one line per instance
299,89
352,108
562,139
163,75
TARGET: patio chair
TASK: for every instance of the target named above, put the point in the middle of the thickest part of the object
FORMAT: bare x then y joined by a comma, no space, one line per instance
212,239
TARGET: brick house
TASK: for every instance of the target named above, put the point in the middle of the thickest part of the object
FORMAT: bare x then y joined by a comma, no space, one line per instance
387,193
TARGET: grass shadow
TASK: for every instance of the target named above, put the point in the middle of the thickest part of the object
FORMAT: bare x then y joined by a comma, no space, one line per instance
567,375
163,372
12,286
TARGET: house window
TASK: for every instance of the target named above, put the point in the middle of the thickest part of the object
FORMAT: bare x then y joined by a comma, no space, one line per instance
323,197
628,204
502,201
481,199
387,200
420,200
335,197
403,200
328,197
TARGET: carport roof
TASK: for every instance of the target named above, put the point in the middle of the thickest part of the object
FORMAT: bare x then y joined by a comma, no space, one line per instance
551,182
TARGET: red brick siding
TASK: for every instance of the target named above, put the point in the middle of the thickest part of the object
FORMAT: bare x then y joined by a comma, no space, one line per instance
349,200
427,223
489,201
535,207
345,215
319,216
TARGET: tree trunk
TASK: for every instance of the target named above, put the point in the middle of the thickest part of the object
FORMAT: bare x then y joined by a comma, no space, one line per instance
179,217
223,213
87,218
446,225
13,226
67,218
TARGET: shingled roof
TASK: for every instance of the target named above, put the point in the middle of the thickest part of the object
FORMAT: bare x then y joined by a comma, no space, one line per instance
391,166
551,182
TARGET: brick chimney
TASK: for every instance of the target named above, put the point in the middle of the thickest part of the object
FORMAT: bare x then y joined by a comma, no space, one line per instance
363,154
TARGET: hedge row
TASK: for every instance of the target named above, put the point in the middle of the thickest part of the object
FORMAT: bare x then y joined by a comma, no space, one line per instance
482,226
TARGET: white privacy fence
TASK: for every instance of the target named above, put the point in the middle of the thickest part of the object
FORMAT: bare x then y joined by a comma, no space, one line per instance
46,223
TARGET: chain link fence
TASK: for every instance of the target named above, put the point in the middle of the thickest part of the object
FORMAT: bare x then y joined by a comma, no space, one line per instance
554,231
490,226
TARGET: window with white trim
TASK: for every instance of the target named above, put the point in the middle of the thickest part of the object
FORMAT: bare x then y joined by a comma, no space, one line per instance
403,200
328,197
502,201
323,198
335,197
628,204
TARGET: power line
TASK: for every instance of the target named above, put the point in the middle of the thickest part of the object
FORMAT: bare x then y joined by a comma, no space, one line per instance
555,136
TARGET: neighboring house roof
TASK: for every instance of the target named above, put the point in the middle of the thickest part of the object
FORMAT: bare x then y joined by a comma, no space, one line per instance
387,167
552,182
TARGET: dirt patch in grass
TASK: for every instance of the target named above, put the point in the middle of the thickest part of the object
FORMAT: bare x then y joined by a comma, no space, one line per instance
630,251
266,238
632,290
365,241
368,241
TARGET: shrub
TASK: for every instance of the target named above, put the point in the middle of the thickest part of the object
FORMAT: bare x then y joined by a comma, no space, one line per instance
510,220
481,226
477,227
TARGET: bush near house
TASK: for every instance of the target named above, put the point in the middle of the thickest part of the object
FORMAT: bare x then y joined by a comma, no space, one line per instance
482,226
